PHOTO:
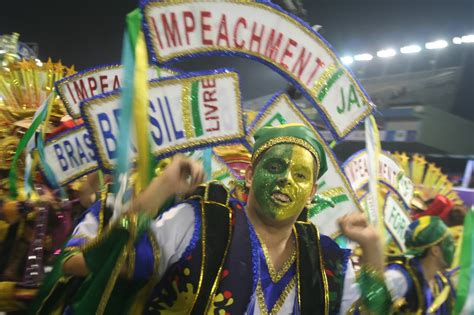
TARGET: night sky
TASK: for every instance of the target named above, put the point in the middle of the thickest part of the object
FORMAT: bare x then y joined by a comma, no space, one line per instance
89,32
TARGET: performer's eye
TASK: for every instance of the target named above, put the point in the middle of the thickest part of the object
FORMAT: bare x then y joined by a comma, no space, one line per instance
273,167
300,176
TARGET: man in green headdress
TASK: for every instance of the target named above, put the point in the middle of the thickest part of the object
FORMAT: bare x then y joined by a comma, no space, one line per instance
214,255
422,283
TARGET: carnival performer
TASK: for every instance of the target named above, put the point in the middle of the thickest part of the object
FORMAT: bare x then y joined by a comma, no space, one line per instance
423,282
213,255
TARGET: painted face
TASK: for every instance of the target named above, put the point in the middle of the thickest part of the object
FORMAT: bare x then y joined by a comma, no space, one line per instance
283,180
447,247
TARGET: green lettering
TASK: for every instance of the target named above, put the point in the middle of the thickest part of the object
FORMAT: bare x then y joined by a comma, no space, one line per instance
341,110
279,117
353,99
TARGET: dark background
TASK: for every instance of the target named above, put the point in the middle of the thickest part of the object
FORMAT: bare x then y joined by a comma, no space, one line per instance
87,33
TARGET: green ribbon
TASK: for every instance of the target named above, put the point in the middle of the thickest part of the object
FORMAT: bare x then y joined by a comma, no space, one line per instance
12,175
466,279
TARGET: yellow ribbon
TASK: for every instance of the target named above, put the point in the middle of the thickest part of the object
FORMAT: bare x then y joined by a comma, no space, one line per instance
140,110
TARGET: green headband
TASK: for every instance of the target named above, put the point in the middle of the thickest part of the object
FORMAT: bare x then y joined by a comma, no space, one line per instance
298,134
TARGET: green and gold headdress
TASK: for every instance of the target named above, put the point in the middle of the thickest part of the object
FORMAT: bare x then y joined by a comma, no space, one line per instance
298,134
424,233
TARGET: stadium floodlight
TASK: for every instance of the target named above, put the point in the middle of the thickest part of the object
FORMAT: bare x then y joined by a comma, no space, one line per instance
347,60
363,57
467,39
386,53
457,40
411,49
437,44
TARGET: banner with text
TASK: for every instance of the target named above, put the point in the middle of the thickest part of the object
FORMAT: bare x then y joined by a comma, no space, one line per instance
186,112
98,80
263,32
396,218
71,155
333,184
390,174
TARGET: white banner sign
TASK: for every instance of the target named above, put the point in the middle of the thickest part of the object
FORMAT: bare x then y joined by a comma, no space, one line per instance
185,112
265,33
71,155
396,219
390,173
281,110
96,81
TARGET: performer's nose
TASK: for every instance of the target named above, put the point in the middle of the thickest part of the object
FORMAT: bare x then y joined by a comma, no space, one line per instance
284,180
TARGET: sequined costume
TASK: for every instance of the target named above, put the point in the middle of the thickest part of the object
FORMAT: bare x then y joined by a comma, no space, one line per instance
220,266
413,293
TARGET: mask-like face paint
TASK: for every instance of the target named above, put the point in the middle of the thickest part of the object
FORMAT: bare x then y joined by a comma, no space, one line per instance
283,180
447,247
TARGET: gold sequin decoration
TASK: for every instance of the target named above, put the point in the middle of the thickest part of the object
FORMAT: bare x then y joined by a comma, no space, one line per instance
75,175
318,85
333,192
88,73
185,106
68,106
264,7
327,150
276,275
292,140
279,303
177,147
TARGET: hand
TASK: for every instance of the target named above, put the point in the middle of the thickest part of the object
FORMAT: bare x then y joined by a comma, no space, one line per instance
183,175
356,228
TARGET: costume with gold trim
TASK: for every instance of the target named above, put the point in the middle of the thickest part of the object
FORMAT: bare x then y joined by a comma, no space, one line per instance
419,297
224,266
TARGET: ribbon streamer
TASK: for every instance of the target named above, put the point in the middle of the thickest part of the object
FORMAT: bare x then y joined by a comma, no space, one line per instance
372,143
12,175
465,289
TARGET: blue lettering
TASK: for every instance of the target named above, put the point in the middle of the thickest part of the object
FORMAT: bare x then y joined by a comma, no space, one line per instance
106,129
177,133
80,150
154,122
164,120
70,153
59,154
88,142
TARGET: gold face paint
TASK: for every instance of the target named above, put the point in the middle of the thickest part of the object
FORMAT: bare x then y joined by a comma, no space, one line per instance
283,180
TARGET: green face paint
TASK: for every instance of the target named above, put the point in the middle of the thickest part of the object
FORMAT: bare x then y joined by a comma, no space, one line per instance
447,247
283,180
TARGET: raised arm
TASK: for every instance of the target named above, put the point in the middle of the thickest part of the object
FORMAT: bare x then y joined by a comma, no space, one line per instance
181,176
375,296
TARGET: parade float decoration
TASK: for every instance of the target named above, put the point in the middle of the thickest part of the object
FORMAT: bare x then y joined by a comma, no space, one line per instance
133,115
394,194
434,195
31,221
195,111
410,187
333,184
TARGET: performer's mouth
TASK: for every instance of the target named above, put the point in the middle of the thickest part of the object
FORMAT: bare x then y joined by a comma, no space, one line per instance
280,197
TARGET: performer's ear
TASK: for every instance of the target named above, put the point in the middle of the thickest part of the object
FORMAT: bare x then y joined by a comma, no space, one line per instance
248,176
436,251
314,190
